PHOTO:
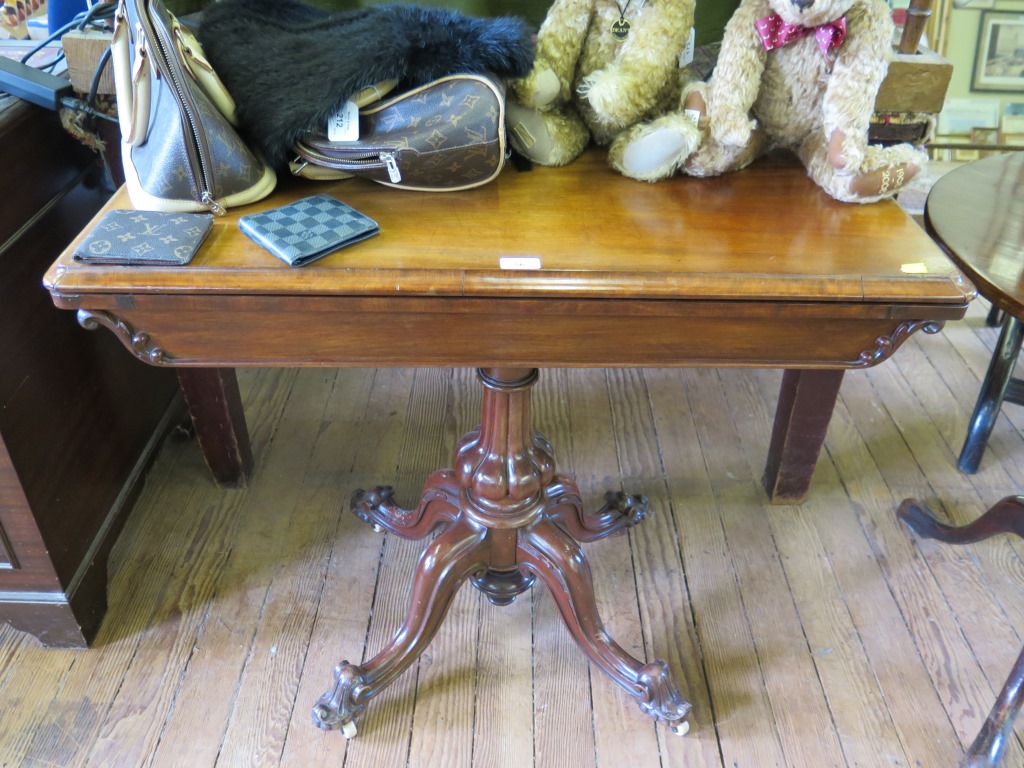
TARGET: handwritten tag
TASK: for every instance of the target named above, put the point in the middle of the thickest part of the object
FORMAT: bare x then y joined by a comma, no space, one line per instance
343,125
687,55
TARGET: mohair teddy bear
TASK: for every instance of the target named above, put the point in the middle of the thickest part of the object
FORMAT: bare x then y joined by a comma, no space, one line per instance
801,74
599,66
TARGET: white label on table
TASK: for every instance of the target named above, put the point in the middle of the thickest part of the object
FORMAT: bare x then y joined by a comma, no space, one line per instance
917,268
519,262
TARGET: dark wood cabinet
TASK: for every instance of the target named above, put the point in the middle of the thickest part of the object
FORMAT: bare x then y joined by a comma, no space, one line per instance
79,417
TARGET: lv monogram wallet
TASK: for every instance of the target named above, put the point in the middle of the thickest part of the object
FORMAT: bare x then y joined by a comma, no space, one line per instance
145,238
307,229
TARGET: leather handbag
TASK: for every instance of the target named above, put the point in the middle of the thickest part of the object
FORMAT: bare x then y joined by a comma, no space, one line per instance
179,147
444,136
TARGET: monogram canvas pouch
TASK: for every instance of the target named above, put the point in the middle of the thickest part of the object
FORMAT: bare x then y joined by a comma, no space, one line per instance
145,238
447,135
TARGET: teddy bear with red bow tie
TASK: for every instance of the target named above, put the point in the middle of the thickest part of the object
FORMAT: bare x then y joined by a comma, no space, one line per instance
801,74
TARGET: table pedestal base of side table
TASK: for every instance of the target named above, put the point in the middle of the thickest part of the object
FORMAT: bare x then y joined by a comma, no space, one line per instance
508,519
1006,516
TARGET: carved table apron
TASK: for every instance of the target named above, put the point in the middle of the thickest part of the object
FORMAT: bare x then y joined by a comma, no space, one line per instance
753,269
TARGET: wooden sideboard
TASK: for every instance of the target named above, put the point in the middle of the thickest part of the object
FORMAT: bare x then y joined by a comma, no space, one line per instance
79,418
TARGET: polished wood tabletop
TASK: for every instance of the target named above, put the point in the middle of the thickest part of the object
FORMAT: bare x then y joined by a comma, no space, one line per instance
752,268
976,214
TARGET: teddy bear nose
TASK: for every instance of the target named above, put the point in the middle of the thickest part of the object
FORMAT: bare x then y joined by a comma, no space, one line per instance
803,4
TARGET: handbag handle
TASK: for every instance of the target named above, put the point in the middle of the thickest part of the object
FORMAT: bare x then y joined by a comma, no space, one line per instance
131,84
199,69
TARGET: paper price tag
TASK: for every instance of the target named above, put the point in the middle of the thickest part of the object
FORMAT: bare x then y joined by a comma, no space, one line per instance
519,262
343,125
687,55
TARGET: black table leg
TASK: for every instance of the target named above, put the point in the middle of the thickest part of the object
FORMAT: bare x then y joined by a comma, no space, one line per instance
993,391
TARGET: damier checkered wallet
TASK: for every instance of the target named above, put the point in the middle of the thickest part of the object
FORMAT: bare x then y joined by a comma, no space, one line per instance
144,238
307,229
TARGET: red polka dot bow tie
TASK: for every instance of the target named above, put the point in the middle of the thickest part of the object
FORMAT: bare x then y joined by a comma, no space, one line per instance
775,33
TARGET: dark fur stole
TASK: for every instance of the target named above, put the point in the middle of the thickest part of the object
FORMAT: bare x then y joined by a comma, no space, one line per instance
290,65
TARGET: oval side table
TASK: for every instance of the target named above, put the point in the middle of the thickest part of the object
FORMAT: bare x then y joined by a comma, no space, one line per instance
976,215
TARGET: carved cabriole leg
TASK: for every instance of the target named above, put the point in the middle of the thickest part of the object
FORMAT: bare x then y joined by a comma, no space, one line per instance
443,567
620,512
439,505
559,562
1006,516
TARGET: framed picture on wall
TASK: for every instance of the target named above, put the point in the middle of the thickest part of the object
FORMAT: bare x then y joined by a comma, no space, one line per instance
999,60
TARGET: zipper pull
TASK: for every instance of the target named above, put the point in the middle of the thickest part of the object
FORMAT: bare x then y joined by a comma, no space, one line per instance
392,165
213,205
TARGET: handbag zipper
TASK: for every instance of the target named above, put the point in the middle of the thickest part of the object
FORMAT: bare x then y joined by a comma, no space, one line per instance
384,158
197,149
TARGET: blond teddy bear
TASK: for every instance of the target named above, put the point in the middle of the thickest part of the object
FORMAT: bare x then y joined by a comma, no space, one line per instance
801,74
600,66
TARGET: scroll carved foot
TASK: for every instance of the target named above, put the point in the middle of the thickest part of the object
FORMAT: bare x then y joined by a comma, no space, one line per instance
338,708
439,505
620,512
661,699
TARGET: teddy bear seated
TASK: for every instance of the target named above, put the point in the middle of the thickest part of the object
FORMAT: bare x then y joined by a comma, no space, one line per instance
801,74
600,66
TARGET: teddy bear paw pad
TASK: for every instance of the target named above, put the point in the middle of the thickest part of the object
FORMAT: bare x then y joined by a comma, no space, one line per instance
657,154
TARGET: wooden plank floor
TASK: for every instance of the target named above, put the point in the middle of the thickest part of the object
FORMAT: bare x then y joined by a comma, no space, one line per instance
812,636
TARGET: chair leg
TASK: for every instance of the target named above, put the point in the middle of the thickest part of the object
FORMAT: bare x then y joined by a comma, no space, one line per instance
1006,516
993,390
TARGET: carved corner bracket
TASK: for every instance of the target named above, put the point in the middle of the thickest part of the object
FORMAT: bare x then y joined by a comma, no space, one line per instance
886,345
138,343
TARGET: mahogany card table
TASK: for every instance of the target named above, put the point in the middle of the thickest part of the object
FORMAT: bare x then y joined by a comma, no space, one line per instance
551,267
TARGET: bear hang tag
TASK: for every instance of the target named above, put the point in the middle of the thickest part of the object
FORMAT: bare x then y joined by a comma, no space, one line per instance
620,27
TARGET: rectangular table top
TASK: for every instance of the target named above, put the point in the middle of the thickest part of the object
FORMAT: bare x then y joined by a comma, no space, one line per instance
763,234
